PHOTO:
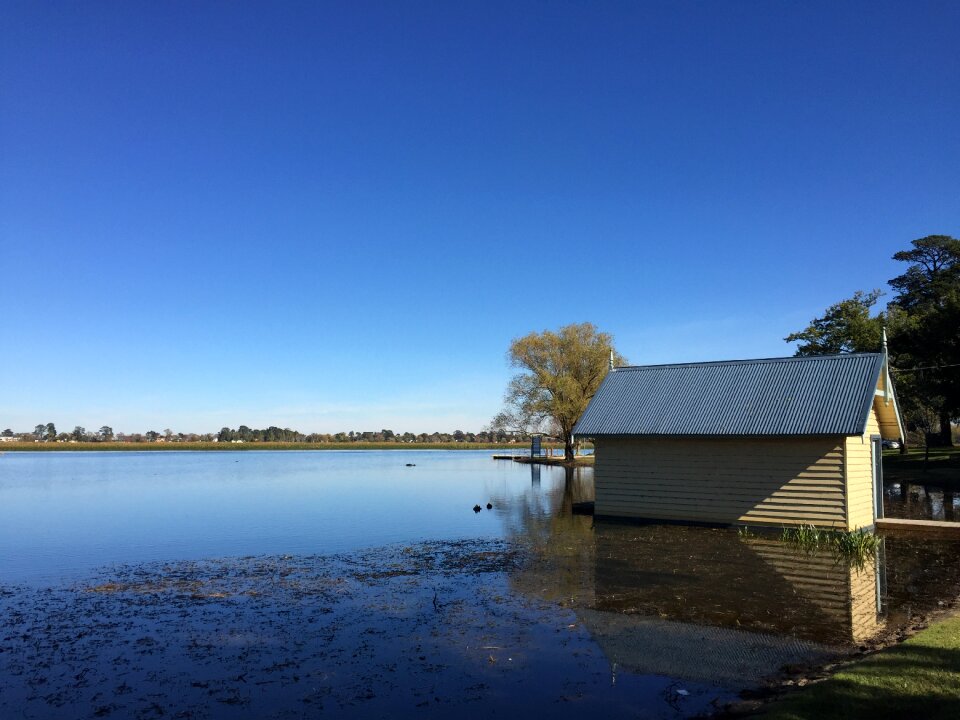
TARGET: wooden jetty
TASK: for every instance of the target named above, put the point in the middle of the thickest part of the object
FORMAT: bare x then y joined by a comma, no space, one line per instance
930,528
544,460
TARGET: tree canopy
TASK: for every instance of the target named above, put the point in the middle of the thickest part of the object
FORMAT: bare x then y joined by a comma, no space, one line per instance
923,323
846,326
933,279
559,374
926,335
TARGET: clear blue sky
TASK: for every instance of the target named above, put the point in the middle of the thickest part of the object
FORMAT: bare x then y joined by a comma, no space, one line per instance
337,215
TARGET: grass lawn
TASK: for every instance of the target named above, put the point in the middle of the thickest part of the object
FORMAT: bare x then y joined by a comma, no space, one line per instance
943,466
920,678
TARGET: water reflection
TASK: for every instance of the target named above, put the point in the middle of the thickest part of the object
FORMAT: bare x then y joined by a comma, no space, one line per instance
611,614
918,501
714,577
65,514
662,598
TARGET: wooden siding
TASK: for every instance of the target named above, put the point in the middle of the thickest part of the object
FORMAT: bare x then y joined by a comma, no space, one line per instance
858,461
726,481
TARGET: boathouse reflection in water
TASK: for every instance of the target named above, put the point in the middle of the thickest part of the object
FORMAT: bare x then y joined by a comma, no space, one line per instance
711,605
715,577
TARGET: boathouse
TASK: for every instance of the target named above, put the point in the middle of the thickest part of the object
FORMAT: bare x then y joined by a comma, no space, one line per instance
780,441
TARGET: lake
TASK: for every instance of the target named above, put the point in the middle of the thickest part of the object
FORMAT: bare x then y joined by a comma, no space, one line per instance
65,513
364,584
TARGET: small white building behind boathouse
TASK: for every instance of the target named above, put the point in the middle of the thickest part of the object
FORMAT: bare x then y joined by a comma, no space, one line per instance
780,441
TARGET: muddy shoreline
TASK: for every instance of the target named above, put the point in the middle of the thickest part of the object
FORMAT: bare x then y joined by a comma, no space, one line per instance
427,630
441,629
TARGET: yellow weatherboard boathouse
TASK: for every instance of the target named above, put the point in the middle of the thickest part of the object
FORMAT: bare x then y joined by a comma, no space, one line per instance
780,441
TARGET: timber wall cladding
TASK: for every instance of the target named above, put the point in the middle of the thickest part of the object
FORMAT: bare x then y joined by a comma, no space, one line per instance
859,461
758,481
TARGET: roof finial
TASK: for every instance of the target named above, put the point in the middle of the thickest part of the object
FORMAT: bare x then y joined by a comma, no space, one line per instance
886,368
611,358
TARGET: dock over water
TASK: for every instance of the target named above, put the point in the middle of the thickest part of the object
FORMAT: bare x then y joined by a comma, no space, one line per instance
932,528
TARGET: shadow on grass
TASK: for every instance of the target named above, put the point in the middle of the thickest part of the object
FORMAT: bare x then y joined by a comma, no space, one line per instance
920,678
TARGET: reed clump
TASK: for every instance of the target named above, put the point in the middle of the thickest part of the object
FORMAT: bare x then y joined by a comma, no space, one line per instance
852,544
856,543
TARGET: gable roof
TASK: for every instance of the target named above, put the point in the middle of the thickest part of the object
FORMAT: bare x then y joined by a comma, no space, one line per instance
820,395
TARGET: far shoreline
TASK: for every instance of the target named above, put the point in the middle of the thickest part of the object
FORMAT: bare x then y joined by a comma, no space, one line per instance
505,448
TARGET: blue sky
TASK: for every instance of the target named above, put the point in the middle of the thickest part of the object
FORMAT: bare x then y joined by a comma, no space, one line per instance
336,216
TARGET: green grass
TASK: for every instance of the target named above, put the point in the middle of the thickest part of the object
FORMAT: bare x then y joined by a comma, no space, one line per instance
135,447
915,456
920,678
943,466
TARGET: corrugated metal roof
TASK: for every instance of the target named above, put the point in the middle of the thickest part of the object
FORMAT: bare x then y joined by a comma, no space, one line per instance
824,395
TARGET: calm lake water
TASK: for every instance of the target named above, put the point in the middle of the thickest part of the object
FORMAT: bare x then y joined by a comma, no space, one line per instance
239,584
935,500
65,513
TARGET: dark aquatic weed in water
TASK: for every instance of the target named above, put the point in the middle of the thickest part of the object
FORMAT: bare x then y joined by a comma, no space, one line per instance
429,630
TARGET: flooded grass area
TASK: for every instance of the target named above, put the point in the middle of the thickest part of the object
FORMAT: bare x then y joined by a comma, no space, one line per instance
921,501
631,621
522,609
433,629
759,584
921,486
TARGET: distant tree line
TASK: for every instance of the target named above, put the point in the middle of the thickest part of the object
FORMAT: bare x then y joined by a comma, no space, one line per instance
48,433
275,434
923,325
